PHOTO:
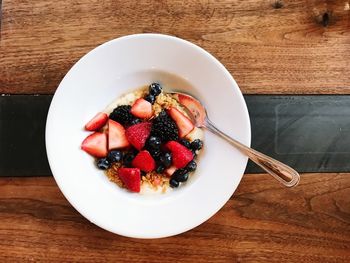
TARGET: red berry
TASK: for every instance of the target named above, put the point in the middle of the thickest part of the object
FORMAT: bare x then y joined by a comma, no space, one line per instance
180,154
138,134
142,109
183,123
144,161
193,106
131,177
116,135
169,171
95,144
97,122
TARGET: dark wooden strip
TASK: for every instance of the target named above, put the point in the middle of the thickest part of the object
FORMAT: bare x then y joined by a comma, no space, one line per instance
310,133
295,46
22,135
263,222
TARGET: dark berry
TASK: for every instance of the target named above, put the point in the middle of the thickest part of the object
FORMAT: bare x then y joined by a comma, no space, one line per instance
103,164
127,158
156,153
114,156
154,142
163,114
122,114
135,121
155,89
196,145
160,169
191,166
180,175
166,159
164,128
173,183
150,98
185,143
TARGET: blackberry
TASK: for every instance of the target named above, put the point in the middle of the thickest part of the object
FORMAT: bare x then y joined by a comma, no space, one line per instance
164,128
122,114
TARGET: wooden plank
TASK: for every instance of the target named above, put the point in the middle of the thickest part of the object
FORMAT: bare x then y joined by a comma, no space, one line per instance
293,126
277,47
262,222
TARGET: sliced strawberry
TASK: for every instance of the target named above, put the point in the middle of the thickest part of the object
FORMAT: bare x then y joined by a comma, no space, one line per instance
181,155
97,122
193,106
144,161
169,171
142,109
183,123
116,135
95,144
131,177
138,134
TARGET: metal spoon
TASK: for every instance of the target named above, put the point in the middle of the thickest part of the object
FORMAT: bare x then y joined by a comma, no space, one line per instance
283,173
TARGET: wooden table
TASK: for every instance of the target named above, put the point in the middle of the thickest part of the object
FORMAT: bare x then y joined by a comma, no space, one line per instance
271,47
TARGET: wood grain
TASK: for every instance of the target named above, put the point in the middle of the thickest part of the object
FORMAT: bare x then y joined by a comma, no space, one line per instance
270,46
263,222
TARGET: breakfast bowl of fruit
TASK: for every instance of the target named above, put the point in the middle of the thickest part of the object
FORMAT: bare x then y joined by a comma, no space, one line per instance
144,141
124,146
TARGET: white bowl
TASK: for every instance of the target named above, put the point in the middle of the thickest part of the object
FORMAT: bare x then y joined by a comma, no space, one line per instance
117,67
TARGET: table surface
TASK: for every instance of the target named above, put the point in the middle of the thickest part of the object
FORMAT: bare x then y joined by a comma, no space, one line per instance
271,47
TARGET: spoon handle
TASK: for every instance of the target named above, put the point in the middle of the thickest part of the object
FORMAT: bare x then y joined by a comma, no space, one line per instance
283,173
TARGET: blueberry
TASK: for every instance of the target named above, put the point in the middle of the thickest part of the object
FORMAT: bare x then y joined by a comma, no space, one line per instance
103,164
150,98
154,142
163,114
155,89
127,159
185,143
114,156
196,145
166,159
191,166
180,175
155,154
173,183
135,121
160,169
